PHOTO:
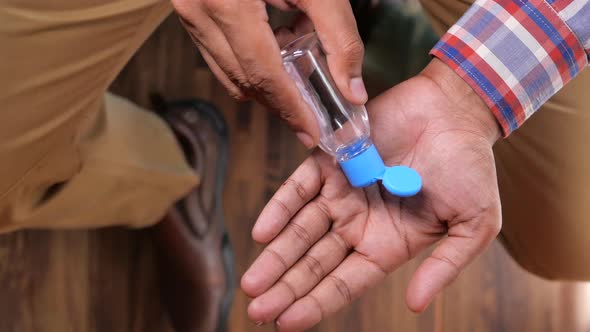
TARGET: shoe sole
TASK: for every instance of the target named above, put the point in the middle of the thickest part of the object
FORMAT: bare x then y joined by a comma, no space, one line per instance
216,119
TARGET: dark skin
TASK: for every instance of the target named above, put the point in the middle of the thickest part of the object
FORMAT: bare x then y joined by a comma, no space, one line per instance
237,42
327,243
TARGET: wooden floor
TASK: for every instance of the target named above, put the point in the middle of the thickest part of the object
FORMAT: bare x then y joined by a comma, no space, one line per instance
104,281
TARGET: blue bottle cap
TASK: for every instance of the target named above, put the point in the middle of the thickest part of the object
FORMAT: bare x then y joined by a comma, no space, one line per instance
402,181
367,168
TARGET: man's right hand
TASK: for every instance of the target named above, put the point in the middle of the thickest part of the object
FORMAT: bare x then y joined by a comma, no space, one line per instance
237,42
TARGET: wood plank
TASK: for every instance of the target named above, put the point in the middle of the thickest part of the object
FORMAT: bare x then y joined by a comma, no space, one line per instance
495,294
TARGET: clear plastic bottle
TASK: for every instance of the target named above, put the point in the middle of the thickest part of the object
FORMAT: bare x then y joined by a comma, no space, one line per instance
344,127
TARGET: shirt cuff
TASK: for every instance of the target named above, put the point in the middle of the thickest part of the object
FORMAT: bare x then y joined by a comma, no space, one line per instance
515,54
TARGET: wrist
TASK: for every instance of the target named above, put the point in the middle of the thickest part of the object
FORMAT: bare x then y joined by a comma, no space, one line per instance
470,111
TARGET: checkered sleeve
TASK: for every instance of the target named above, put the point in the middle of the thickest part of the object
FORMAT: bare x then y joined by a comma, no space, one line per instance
516,54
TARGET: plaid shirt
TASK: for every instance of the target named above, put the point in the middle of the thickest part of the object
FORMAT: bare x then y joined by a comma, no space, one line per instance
516,54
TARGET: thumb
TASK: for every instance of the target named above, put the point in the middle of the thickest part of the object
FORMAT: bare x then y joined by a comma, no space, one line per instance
464,243
336,28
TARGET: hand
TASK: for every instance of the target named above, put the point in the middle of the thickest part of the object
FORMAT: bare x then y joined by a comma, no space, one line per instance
328,242
237,42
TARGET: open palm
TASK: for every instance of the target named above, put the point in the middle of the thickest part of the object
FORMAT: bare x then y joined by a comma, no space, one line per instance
329,242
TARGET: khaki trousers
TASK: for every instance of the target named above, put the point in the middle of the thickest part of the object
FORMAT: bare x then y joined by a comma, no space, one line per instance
72,156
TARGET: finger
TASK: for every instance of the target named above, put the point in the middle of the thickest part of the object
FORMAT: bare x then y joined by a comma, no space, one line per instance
321,259
347,282
281,4
233,89
465,242
244,23
301,26
214,48
308,226
302,186
336,28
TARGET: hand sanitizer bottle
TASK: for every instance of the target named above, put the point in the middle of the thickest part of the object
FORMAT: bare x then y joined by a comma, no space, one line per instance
344,127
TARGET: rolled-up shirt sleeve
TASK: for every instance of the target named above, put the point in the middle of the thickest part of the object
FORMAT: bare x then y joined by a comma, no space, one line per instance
516,54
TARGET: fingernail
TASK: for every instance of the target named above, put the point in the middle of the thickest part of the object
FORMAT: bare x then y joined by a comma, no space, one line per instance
305,138
259,323
357,86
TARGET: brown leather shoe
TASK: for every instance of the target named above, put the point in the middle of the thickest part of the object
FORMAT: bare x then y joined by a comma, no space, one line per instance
195,258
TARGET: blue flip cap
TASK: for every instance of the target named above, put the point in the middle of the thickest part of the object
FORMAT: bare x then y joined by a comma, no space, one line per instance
367,168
